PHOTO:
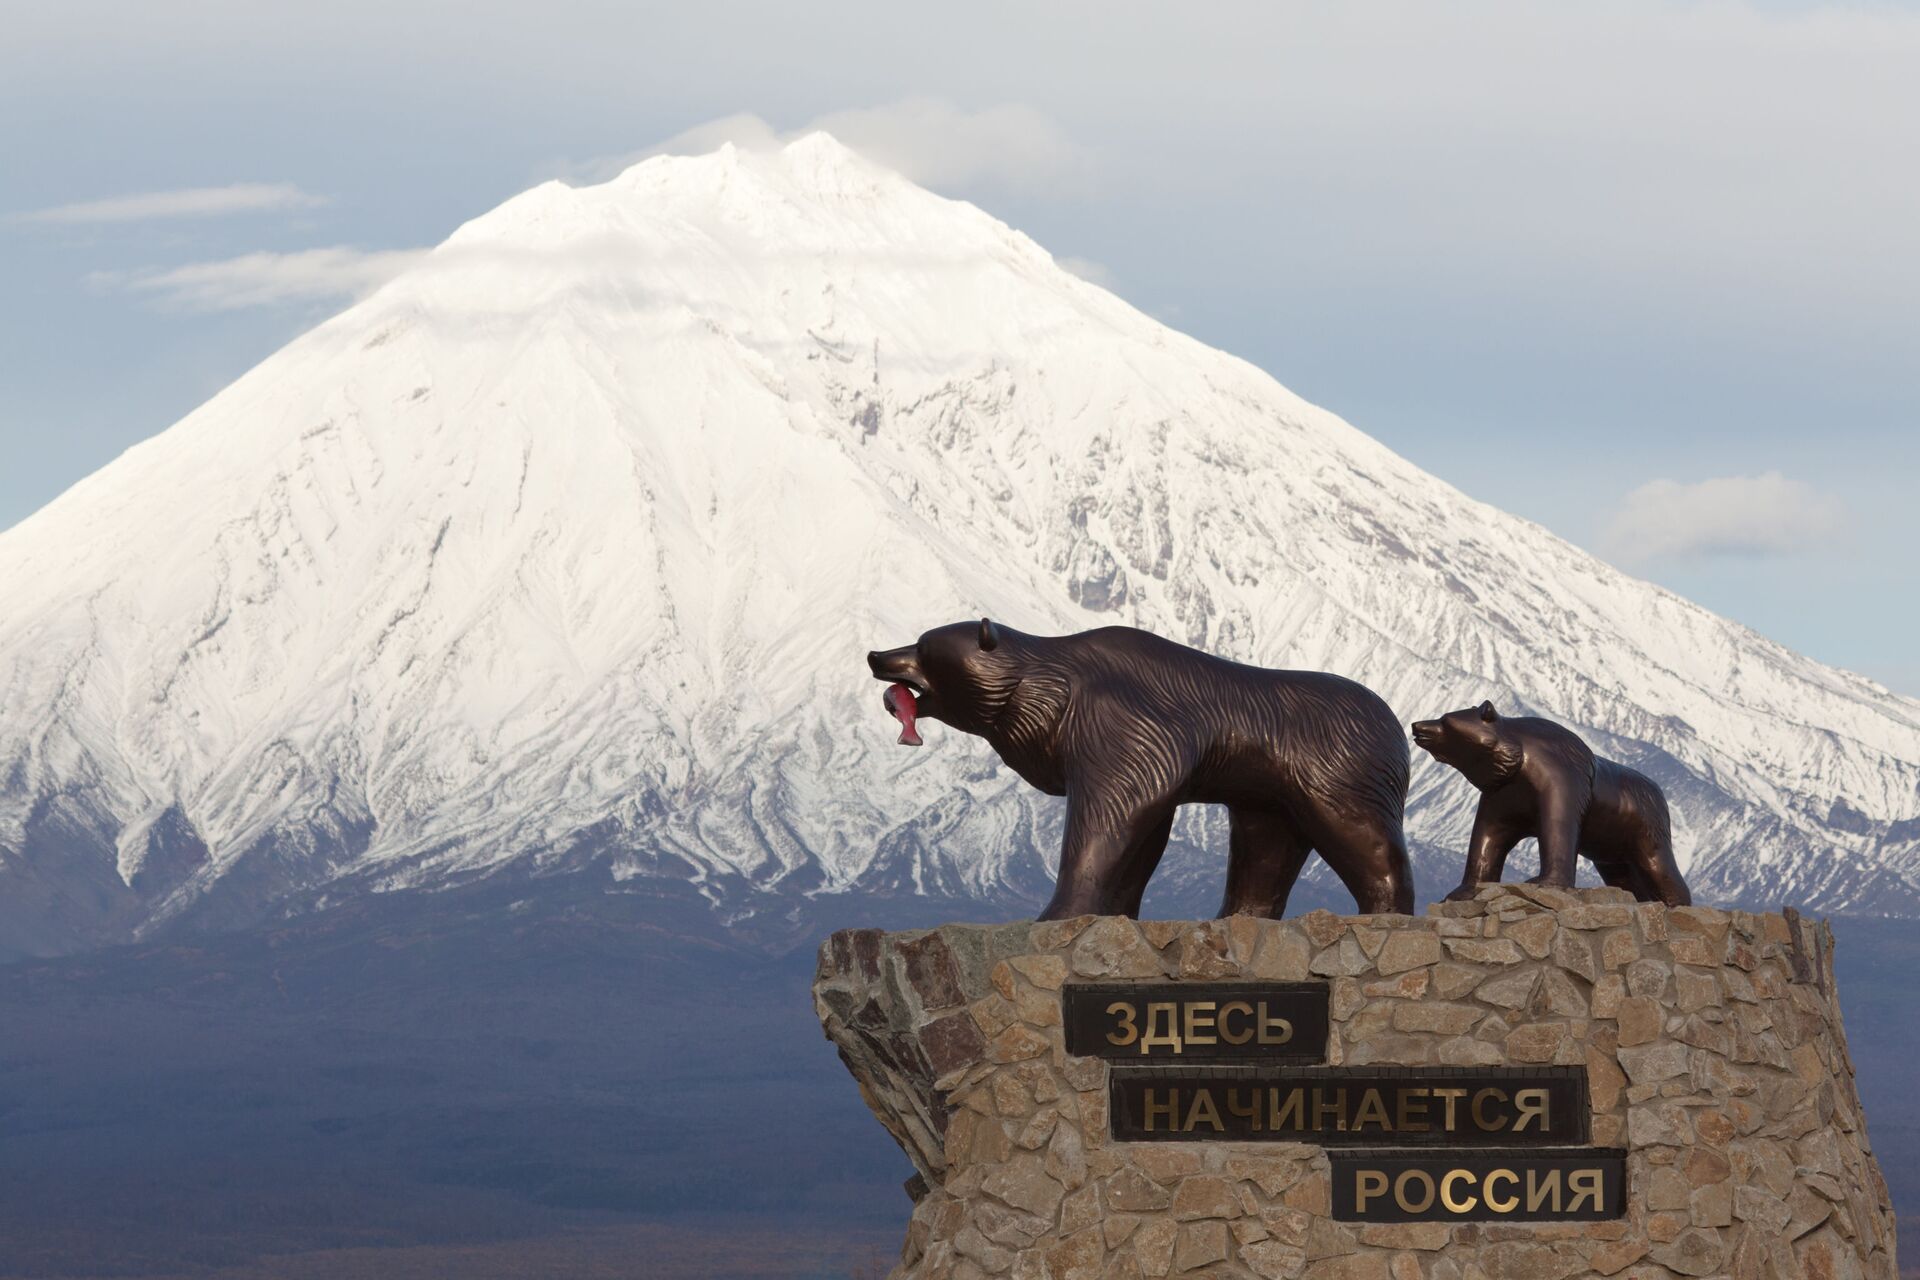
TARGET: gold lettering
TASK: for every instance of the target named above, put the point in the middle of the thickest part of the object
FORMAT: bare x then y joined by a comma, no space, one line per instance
1400,1191
1166,1013
1372,1108
1480,1120
1509,1203
1273,1030
1125,1011
1335,1110
1531,1104
1170,1108
1367,1183
1451,1096
1250,1112
1546,1190
1446,1190
1412,1116
1203,1099
1295,1111
1226,1032
1199,1030
1585,1183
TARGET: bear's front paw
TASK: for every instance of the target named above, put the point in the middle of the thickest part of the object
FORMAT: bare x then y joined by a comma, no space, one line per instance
1465,893
1546,881
1072,908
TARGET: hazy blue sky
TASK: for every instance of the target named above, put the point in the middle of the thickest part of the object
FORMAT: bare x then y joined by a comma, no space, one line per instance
1647,273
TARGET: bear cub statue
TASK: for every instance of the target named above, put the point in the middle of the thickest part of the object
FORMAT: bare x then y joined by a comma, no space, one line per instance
1538,779
1128,726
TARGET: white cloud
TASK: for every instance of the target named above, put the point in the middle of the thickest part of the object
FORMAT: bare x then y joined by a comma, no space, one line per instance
743,129
929,140
190,202
266,279
1761,515
1087,269
938,145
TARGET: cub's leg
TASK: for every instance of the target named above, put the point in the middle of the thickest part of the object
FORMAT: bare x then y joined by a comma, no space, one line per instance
1495,832
1624,875
1661,875
1561,810
1264,858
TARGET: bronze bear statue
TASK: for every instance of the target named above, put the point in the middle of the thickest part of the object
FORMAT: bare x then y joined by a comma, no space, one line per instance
1539,779
1129,726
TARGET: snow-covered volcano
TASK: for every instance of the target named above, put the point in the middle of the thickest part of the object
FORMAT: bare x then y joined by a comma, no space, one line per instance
565,548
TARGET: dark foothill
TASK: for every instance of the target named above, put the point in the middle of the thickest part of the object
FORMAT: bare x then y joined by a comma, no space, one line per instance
1129,726
1537,779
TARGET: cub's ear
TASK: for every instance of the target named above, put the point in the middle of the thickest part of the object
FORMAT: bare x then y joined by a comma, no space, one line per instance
1487,712
989,634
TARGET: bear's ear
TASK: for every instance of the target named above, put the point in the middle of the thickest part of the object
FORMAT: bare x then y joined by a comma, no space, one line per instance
989,634
1487,712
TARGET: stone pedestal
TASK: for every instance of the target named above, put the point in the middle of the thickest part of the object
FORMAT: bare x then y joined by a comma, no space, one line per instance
1711,1042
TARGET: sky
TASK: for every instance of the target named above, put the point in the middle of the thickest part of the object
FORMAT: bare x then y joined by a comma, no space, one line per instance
1645,273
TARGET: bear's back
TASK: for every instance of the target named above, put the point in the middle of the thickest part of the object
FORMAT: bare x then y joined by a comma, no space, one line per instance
1627,789
1284,729
1119,654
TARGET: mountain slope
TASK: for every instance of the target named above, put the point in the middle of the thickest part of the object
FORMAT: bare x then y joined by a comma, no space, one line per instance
563,549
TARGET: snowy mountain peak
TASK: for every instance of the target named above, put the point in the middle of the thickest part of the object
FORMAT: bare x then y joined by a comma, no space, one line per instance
794,240
814,169
560,551
814,188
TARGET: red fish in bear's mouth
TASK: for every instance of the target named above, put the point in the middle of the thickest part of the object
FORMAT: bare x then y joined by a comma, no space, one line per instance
898,700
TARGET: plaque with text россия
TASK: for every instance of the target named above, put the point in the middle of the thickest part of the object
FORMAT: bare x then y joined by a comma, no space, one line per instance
1351,1106
1217,1021
1584,1185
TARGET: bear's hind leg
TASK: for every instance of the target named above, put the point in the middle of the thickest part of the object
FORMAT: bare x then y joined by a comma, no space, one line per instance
1264,858
1661,876
1624,875
1370,857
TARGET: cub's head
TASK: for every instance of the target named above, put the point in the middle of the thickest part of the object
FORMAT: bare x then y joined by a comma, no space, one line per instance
961,675
1473,741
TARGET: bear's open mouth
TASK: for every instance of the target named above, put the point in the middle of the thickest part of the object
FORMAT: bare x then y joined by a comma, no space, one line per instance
900,704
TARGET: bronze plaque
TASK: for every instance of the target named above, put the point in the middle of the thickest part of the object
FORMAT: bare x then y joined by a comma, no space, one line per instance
1351,1106
1188,1021
1514,1185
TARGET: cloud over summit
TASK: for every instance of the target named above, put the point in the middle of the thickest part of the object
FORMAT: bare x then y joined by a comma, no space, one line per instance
928,140
266,279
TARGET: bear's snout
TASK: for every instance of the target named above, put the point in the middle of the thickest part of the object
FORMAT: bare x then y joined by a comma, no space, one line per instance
1426,732
900,666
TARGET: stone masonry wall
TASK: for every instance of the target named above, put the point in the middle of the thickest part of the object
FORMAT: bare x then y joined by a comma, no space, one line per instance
1712,1043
